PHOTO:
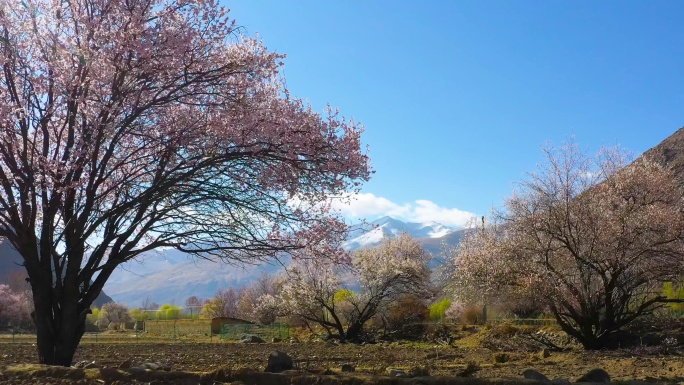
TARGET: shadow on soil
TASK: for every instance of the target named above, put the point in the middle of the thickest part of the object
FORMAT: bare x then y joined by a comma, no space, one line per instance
32,373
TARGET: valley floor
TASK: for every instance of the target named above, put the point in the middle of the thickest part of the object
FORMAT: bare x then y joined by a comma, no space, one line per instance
441,360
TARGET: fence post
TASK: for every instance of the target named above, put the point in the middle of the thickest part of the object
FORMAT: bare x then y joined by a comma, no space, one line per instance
174,329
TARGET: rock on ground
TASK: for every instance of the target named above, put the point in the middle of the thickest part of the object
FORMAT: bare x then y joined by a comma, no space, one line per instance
532,374
279,362
154,366
595,375
397,373
251,339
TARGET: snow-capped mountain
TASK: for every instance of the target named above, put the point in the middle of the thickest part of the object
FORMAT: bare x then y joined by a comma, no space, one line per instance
387,227
170,276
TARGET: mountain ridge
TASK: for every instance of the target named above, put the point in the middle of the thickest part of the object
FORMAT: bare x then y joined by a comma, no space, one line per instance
171,276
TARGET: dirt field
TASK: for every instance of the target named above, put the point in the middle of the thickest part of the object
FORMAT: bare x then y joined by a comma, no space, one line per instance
654,365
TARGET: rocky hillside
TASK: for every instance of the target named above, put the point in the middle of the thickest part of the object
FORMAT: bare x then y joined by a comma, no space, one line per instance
670,153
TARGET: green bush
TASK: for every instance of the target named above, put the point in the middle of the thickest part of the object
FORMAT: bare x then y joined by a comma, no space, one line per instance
169,312
674,292
437,310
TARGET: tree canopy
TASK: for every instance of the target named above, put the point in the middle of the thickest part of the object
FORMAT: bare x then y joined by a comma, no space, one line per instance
126,126
316,290
590,238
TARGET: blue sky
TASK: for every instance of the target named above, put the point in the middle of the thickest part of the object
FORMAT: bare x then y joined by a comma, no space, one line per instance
458,96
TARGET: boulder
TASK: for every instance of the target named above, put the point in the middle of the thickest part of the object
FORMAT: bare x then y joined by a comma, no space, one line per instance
397,373
348,368
80,364
278,362
544,353
532,374
126,364
154,366
92,365
251,339
595,375
275,340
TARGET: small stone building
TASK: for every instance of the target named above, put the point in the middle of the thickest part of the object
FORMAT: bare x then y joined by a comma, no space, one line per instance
217,322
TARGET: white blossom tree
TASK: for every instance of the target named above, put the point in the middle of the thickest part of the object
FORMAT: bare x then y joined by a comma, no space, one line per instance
592,239
113,312
318,290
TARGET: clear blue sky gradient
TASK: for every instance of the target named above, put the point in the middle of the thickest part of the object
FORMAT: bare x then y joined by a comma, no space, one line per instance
458,96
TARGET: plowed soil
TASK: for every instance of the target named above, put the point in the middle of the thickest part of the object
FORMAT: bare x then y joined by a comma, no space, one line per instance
316,357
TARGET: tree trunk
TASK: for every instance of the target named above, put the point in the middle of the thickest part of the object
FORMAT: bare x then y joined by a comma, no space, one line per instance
584,332
354,331
592,342
57,345
59,328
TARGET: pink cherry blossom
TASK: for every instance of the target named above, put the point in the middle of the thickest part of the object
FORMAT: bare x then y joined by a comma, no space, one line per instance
126,126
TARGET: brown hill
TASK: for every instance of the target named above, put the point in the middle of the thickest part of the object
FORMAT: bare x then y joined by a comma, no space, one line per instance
670,153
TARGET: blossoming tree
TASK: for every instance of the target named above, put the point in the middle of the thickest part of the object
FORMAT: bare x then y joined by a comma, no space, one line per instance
11,309
318,290
592,239
126,126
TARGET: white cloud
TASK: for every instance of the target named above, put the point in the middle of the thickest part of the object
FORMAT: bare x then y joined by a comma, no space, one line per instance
369,206
426,211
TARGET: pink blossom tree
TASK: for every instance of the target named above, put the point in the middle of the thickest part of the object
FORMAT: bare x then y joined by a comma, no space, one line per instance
193,305
10,306
223,304
126,126
592,239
